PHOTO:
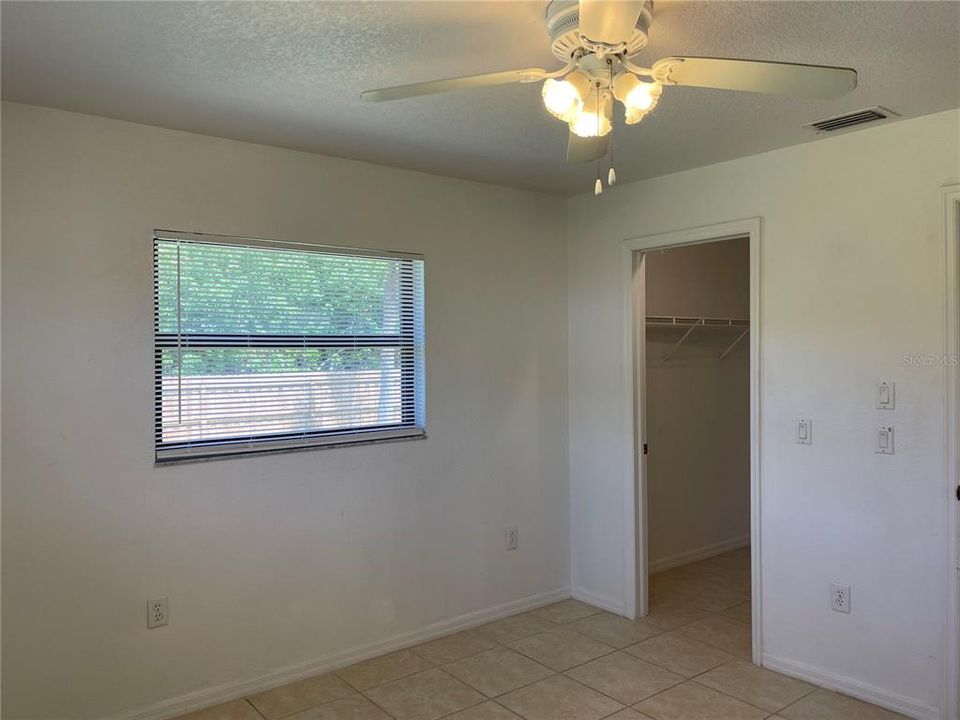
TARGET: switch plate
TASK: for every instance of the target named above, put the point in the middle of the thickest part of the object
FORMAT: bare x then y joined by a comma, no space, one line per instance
884,440
805,431
886,395
512,539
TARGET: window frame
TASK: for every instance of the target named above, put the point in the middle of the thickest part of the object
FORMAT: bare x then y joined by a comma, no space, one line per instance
412,425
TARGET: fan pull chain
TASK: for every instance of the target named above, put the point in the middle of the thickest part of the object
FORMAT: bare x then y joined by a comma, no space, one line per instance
611,174
598,186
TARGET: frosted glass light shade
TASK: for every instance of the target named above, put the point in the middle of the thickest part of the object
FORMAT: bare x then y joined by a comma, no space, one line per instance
564,98
588,122
638,97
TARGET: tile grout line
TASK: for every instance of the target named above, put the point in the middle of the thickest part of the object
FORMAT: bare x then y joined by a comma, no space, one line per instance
495,698
376,705
249,702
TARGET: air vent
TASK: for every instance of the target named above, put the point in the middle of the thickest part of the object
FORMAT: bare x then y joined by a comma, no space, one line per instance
859,117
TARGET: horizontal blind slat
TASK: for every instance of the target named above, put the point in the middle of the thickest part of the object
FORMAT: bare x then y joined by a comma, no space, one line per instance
264,344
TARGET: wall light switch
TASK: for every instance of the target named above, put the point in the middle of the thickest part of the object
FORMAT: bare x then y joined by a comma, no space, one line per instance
884,440
886,392
512,540
805,431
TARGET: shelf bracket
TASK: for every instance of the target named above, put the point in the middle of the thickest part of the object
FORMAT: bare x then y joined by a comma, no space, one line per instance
676,347
732,345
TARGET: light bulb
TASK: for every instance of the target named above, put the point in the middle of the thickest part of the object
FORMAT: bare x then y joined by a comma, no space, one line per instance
638,97
641,97
561,99
597,187
611,177
564,98
587,123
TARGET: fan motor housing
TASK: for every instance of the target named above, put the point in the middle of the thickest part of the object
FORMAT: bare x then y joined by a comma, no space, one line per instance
563,26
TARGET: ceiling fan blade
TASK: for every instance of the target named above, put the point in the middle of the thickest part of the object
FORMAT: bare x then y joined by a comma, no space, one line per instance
468,81
581,149
813,81
609,21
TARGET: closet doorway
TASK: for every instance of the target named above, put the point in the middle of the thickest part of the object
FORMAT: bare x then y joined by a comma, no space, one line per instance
693,310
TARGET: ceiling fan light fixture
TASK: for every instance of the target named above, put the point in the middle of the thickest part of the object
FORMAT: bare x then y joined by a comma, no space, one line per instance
638,96
597,41
564,98
591,121
586,124
632,116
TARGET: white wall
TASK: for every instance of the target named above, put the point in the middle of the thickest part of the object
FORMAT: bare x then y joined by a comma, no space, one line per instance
274,561
697,406
851,275
269,561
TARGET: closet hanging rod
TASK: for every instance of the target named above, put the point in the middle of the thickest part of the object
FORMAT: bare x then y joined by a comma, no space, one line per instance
680,321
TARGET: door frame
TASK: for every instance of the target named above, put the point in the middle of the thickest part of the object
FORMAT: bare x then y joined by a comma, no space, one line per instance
633,402
951,277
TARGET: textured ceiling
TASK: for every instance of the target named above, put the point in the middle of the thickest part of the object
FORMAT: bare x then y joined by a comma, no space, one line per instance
290,74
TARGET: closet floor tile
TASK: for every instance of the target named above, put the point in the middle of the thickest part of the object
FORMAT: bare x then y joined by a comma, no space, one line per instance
729,635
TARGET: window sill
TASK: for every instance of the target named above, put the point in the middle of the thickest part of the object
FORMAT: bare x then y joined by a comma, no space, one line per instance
244,451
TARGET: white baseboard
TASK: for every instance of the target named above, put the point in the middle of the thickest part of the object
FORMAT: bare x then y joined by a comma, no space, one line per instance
700,553
231,691
617,607
884,698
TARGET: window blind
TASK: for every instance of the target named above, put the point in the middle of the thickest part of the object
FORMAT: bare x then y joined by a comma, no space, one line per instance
262,346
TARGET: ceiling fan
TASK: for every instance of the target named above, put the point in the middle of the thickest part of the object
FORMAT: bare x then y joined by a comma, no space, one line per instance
596,40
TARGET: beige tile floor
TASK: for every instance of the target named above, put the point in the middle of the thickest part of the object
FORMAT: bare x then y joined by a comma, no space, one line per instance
687,660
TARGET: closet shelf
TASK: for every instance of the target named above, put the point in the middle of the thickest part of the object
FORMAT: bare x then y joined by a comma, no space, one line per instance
707,322
741,325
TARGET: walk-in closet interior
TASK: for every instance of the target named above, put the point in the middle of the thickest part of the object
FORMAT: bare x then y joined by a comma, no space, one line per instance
697,402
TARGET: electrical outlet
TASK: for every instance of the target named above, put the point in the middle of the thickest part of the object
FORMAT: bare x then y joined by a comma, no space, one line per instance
840,597
158,613
512,540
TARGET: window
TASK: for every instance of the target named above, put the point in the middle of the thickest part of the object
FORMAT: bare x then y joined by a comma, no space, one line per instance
261,346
